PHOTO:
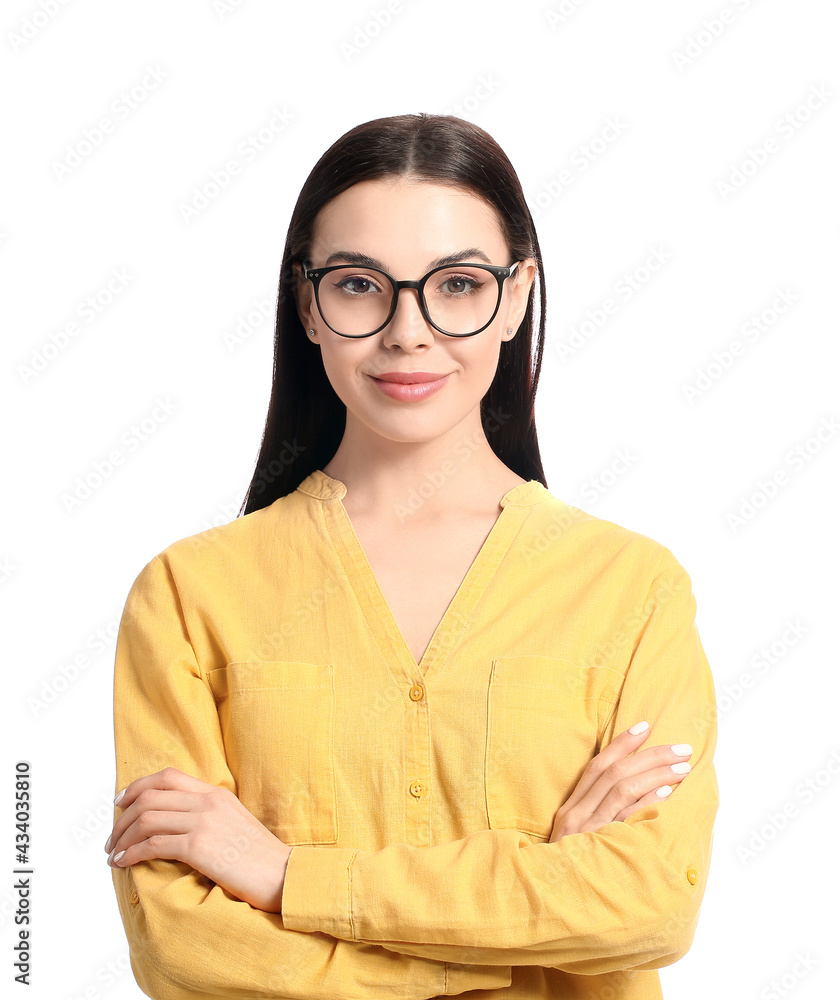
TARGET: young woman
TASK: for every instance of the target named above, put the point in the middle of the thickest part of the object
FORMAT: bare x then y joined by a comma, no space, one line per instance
412,726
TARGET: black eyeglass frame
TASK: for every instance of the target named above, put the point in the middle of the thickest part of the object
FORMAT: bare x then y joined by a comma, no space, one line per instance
314,274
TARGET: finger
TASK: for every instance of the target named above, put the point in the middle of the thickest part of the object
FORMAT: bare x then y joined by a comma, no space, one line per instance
628,767
626,793
151,798
169,777
658,795
623,745
626,780
618,787
150,824
170,847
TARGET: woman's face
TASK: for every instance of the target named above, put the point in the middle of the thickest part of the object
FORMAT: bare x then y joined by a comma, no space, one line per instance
407,225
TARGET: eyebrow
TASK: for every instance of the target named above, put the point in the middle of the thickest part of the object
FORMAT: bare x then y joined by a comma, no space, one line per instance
363,260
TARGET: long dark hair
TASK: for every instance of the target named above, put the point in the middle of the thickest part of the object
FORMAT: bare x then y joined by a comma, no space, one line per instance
306,418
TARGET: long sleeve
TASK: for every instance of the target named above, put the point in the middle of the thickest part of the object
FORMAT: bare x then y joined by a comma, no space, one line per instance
188,937
625,896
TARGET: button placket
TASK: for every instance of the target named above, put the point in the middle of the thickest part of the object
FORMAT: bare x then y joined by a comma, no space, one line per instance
416,764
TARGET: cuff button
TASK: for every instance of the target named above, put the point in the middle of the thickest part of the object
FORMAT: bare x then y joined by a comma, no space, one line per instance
692,876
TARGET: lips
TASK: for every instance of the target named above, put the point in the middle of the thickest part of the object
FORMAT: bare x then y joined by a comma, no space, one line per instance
411,390
409,378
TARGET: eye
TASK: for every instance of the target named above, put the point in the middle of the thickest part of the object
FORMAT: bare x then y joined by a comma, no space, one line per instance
356,284
459,285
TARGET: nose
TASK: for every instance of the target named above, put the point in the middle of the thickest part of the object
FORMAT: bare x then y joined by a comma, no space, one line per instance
408,326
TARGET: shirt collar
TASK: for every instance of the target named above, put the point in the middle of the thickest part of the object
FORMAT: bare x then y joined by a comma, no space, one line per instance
323,487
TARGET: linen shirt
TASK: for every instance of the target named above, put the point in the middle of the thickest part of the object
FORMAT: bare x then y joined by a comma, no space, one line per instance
418,799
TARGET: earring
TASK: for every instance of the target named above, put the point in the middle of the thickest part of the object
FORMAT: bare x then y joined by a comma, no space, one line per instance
311,333
510,329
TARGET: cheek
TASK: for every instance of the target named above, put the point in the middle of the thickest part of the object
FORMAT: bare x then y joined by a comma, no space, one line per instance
479,367
342,370
353,388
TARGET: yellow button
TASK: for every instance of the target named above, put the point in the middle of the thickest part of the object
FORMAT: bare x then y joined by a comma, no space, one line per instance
416,693
417,788
692,876
134,898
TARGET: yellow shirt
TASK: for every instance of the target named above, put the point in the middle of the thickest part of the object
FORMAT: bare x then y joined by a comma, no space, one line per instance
419,799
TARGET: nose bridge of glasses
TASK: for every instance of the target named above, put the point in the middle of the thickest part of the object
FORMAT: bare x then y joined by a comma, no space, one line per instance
398,286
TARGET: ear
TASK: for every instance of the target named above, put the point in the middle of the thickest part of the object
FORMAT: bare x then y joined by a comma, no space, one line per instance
519,290
303,292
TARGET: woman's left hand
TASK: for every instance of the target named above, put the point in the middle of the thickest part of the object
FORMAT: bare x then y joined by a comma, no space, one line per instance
175,816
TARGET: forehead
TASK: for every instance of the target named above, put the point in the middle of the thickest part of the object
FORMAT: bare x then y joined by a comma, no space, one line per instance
402,220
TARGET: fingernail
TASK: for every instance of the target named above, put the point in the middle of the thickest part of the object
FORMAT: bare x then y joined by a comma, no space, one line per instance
682,768
640,727
682,749
118,856
108,843
118,796
664,791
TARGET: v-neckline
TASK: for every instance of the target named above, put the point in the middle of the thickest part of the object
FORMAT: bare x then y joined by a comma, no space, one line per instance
380,618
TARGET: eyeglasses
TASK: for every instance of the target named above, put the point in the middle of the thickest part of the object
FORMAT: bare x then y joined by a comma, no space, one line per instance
459,300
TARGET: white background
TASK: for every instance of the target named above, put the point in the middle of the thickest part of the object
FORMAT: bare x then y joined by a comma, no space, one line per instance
691,102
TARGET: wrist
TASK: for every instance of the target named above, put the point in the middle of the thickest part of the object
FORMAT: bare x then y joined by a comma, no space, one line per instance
267,895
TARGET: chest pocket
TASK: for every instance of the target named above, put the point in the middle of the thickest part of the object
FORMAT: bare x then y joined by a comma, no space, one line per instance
277,719
545,720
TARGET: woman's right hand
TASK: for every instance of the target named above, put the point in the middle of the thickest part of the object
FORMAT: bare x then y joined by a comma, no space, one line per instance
619,780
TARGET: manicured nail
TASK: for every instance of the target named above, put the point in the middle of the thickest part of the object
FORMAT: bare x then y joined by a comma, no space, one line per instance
640,727
108,843
118,856
682,749
664,791
118,796
682,768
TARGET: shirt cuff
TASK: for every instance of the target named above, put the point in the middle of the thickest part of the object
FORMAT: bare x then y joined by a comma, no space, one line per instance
317,897
316,891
